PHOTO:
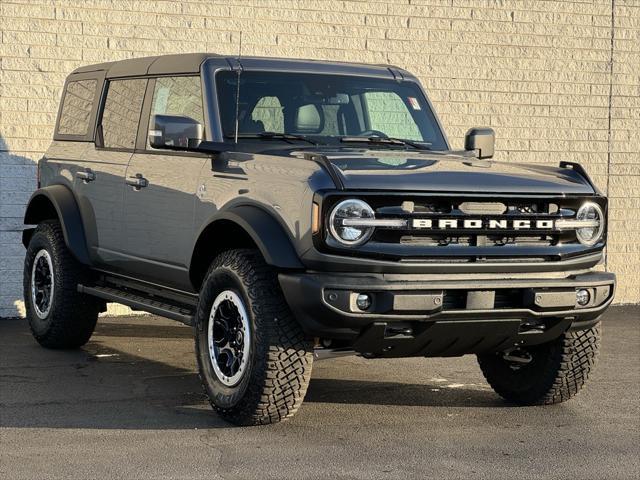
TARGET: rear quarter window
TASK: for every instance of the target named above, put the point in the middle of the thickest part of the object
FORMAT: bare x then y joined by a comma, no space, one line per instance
77,106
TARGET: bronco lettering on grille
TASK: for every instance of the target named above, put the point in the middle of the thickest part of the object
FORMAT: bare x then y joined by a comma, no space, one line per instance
477,223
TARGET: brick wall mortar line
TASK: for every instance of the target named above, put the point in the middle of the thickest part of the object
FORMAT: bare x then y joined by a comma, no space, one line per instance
609,134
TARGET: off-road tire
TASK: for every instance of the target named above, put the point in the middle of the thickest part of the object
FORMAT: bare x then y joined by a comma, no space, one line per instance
557,372
275,381
72,316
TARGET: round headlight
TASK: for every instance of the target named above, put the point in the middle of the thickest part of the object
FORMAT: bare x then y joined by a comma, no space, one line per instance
350,234
590,212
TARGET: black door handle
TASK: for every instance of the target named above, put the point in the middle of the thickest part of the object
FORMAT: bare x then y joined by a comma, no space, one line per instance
86,176
137,182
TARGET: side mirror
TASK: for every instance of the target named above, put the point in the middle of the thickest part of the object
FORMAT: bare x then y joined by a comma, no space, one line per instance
482,140
175,132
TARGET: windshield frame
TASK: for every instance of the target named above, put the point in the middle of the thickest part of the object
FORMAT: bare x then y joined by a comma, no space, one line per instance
211,87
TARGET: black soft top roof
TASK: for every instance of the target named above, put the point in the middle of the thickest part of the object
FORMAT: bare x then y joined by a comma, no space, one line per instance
191,63
158,65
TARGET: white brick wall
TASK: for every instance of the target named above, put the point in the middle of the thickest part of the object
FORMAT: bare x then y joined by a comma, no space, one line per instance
539,72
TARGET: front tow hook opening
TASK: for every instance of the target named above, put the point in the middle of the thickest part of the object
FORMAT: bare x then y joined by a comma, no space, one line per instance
398,330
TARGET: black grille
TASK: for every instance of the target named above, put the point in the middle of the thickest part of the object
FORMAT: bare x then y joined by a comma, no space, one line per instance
497,239
463,209
467,240
454,300
505,298
509,298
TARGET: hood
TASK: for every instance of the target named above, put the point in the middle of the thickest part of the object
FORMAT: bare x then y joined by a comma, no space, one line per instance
448,172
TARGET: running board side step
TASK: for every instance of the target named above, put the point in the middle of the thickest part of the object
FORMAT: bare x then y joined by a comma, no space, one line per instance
140,302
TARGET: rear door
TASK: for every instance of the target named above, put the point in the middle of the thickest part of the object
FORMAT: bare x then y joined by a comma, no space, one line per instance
99,178
160,196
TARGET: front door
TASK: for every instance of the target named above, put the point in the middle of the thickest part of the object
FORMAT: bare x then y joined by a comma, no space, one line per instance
158,217
161,188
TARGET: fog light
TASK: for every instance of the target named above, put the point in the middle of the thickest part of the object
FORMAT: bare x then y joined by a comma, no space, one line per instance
363,301
583,297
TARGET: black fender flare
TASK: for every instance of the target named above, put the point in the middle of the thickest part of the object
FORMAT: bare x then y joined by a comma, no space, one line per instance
265,230
68,213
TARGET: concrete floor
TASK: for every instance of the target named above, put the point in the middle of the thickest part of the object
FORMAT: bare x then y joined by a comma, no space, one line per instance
129,405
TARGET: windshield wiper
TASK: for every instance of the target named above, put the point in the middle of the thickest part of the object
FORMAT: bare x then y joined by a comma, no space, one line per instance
287,137
388,141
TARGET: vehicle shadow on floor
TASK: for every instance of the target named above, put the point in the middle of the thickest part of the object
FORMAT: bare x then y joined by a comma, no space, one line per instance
125,330
149,381
340,391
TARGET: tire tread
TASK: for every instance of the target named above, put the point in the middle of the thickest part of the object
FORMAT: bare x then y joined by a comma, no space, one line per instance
285,369
73,315
563,374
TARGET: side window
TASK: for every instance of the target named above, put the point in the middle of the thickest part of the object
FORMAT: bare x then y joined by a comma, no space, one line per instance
389,114
177,115
77,107
122,113
268,111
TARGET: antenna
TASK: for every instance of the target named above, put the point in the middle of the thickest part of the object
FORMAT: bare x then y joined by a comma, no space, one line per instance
238,89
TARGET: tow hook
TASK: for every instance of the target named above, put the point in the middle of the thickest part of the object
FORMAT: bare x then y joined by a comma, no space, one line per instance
532,326
517,357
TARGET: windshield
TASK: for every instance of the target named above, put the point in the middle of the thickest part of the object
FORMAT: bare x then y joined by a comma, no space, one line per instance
326,108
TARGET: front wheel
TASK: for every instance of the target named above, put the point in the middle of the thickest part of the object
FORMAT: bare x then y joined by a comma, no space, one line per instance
544,374
253,359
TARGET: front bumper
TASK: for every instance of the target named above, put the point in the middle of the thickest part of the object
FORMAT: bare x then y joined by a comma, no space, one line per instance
443,315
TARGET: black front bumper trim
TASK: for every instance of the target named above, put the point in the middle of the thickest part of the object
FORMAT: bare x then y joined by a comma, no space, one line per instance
503,308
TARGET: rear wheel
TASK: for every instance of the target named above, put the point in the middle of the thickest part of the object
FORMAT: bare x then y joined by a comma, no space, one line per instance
545,374
58,315
254,361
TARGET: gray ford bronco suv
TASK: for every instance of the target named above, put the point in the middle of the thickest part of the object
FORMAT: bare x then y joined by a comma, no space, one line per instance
292,209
